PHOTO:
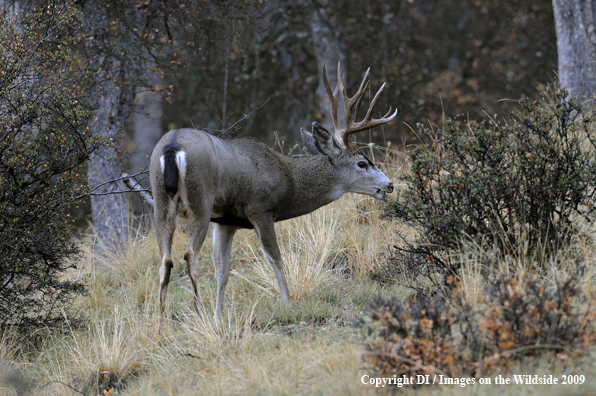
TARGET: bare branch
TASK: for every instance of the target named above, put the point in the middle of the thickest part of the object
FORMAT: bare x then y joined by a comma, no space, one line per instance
135,187
242,119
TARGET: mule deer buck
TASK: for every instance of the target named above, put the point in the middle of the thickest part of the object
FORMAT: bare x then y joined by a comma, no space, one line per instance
241,183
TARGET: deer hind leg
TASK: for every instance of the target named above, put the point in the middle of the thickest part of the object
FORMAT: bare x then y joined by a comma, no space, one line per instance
223,236
165,226
198,231
266,231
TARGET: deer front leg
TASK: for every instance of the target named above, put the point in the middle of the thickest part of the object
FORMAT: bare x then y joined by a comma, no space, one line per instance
266,231
198,228
222,246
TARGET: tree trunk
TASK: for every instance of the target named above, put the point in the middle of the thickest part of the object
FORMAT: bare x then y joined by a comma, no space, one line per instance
113,83
576,46
326,30
110,212
147,132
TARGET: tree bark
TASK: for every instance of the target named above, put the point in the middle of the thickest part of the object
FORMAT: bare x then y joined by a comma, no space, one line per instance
111,102
326,31
576,46
147,131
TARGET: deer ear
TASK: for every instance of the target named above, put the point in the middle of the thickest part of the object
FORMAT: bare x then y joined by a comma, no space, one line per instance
309,142
324,141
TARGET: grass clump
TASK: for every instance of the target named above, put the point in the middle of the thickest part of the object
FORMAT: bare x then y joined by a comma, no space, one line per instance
310,249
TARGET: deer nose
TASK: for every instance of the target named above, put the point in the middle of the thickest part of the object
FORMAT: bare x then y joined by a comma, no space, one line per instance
390,188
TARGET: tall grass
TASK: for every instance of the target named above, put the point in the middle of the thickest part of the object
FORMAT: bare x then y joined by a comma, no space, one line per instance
310,247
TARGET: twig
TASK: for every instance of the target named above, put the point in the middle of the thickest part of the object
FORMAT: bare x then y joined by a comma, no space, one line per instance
124,177
121,192
143,192
526,347
61,383
225,84
243,118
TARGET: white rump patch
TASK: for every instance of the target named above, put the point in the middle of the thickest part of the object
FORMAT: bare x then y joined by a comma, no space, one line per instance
183,206
181,162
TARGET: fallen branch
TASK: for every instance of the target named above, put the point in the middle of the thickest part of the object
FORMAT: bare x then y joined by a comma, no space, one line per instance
136,187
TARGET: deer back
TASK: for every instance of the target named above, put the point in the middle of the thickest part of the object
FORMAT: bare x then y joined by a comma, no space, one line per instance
234,178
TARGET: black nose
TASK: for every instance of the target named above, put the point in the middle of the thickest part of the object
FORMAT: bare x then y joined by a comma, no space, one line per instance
390,188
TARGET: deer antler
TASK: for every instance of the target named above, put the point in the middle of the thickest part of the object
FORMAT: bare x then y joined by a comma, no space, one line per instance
351,107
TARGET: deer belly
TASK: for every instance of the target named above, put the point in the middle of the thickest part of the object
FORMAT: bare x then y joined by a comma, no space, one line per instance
231,220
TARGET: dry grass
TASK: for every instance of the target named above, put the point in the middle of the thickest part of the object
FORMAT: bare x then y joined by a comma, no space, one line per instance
261,346
311,250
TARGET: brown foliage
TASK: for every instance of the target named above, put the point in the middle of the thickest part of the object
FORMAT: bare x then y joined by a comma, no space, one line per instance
518,320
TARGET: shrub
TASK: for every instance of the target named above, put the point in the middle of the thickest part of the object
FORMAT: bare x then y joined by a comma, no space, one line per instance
527,317
517,320
521,180
43,144
410,341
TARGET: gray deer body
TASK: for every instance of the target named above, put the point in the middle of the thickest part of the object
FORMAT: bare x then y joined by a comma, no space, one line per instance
241,183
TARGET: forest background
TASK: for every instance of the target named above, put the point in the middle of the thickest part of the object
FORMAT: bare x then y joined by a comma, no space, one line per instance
256,68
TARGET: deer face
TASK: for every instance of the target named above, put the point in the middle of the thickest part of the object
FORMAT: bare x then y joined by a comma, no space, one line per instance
354,171
364,177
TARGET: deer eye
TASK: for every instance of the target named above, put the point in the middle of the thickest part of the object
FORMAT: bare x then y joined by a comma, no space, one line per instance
362,164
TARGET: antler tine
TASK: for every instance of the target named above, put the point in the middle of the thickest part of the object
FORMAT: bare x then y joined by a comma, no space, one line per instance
360,101
373,102
353,126
333,98
340,87
389,112
351,108
356,99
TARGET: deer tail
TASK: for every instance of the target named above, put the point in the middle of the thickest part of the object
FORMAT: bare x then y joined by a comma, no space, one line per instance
170,159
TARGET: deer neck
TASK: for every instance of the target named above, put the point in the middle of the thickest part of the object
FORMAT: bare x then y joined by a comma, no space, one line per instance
315,184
